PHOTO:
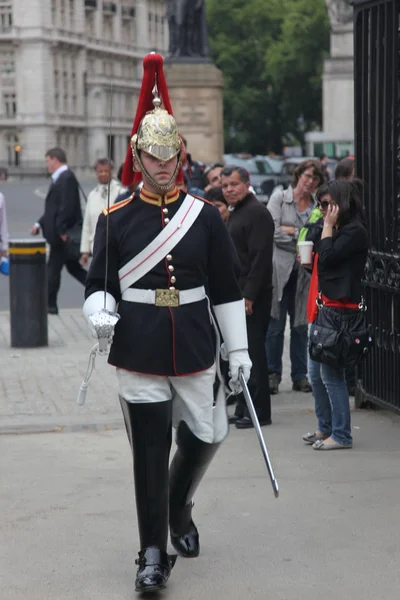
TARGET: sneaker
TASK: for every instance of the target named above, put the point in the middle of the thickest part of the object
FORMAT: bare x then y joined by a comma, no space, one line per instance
274,381
302,385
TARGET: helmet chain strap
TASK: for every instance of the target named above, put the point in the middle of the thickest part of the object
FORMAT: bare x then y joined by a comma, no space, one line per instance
162,188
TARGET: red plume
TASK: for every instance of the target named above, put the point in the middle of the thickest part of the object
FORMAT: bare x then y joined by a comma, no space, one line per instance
153,74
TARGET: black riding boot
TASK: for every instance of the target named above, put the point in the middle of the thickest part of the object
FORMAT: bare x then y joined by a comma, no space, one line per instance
188,466
149,428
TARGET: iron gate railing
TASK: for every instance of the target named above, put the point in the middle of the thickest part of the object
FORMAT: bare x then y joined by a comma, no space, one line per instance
377,142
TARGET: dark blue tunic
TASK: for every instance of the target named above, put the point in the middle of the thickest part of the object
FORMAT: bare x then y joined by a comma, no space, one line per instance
163,340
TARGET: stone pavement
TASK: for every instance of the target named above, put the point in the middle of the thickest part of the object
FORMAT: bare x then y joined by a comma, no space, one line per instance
67,507
40,386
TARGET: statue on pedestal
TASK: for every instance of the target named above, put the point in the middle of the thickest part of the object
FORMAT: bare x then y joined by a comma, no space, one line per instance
187,29
340,12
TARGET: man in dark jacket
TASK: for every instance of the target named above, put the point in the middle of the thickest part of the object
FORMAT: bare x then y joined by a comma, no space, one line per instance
62,212
252,231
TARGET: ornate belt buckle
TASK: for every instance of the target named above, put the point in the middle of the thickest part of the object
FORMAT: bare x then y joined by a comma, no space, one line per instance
167,298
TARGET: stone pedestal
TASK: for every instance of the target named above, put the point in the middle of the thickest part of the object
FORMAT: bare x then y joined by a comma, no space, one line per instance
195,90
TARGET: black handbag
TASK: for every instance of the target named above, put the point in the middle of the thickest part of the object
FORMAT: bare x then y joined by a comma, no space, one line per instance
73,242
339,337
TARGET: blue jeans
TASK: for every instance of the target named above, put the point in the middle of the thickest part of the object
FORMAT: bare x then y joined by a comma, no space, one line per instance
298,336
332,406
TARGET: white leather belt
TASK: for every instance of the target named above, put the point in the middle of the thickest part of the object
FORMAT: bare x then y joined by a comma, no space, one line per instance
171,298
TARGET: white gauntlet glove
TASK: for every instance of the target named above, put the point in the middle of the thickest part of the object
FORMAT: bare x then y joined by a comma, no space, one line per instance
102,325
238,359
101,321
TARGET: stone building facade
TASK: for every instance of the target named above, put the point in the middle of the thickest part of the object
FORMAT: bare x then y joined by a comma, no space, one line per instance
66,67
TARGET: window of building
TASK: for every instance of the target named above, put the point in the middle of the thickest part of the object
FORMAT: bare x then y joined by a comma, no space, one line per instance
62,13
108,28
65,104
13,150
127,31
163,32
54,12
129,107
7,62
6,19
90,66
73,82
72,14
56,79
89,23
10,104
128,11
108,68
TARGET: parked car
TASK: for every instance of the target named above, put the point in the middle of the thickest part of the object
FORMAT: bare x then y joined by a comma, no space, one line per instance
262,177
274,163
290,164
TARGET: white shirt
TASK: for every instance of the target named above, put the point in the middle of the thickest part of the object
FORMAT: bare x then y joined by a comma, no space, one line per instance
57,172
97,201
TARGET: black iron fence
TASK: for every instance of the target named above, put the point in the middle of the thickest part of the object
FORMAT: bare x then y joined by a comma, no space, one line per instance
377,117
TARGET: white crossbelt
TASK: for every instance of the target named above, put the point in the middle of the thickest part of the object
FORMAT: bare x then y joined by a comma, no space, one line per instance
166,240
149,296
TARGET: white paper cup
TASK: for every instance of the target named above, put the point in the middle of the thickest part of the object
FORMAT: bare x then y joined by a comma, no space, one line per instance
305,251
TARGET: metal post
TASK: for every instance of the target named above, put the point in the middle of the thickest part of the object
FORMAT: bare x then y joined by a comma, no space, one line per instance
28,293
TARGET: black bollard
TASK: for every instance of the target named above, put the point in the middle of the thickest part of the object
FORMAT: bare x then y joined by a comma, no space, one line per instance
28,293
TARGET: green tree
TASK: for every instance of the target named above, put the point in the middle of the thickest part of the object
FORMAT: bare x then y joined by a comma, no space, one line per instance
271,53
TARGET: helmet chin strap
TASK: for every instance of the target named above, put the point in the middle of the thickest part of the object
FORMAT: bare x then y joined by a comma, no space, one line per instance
162,188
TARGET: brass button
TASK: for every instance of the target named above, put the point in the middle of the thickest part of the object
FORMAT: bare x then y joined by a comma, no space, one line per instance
166,220
165,211
173,279
171,268
169,257
172,287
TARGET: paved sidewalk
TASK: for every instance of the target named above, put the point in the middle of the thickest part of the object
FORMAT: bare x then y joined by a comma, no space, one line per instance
67,521
40,386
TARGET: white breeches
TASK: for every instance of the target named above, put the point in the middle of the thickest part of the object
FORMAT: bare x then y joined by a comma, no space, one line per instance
192,397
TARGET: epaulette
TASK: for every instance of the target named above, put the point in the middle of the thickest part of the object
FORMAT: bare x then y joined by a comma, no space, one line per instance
118,205
202,199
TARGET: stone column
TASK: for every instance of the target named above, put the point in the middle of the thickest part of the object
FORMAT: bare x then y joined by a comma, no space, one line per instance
337,84
142,26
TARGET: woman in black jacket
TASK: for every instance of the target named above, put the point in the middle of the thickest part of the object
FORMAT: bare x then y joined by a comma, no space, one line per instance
342,253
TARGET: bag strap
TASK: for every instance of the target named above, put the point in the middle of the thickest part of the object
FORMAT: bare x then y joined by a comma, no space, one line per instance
362,307
82,192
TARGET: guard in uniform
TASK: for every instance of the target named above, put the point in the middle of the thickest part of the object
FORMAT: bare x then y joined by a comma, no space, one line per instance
171,266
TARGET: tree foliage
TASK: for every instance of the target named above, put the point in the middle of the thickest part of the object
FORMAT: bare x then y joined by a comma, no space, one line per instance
271,53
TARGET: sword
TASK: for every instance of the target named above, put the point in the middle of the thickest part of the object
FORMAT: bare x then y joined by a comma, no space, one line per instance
103,323
254,418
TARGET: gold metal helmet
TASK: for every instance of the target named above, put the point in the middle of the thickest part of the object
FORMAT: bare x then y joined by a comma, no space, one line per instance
158,134
154,129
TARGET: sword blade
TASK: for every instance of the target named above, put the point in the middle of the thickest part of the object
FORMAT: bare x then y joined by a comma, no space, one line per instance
255,421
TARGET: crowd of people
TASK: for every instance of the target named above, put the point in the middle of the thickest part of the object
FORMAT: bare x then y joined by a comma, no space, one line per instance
325,208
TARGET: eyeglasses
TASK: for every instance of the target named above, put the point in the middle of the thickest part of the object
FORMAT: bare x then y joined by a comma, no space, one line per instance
314,178
325,204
